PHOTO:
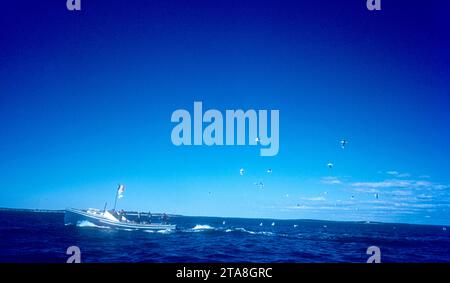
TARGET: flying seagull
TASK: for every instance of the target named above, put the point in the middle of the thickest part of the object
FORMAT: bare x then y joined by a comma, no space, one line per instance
259,185
330,165
241,171
343,143
269,171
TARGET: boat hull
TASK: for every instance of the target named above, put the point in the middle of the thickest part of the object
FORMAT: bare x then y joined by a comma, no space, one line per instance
76,216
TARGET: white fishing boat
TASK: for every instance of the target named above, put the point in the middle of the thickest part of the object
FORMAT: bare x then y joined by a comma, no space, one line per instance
116,219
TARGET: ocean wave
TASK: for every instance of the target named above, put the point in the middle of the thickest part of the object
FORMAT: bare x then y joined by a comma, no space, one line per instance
196,228
207,228
86,223
165,231
243,230
162,231
200,227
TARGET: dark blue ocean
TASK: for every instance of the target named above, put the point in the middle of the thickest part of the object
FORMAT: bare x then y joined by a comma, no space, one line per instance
43,237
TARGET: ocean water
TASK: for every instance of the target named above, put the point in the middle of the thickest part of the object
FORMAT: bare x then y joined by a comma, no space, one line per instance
43,237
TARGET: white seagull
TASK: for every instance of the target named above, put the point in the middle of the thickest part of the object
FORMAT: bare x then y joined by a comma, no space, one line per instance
259,185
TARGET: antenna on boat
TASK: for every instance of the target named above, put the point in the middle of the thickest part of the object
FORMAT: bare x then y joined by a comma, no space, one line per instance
104,209
119,194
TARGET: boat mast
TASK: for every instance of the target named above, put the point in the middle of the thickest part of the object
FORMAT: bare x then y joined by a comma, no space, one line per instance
115,201
118,192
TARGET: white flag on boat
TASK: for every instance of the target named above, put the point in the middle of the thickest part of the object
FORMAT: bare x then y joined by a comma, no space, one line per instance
120,191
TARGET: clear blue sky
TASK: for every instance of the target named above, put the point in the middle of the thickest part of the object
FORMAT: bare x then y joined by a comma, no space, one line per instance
86,99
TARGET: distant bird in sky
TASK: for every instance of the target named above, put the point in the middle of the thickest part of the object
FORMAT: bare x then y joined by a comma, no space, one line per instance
241,171
269,171
343,143
376,196
259,185
330,165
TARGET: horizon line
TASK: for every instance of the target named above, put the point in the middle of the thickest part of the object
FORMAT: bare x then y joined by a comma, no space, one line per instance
42,210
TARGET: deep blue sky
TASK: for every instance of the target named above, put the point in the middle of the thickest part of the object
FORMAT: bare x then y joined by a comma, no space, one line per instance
86,99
